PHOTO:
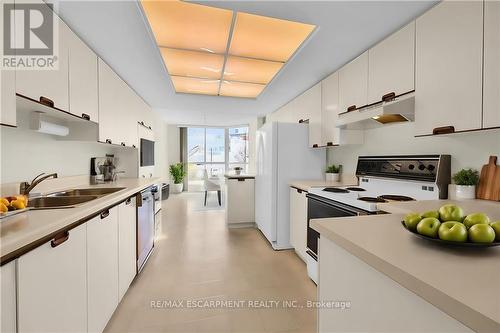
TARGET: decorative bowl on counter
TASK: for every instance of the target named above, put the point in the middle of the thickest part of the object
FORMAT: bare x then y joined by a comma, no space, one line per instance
450,243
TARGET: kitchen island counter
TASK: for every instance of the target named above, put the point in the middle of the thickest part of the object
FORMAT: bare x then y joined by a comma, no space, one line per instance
305,185
22,232
462,282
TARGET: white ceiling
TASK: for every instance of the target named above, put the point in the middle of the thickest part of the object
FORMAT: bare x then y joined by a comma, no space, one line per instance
117,31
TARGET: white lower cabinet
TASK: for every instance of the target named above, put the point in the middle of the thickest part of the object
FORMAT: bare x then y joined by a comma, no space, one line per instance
8,298
126,245
240,201
52,285
298,221
102,268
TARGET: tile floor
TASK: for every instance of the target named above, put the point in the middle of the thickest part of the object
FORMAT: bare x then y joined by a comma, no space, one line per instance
198,258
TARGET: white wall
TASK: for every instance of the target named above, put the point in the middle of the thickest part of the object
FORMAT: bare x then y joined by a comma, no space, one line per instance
467,150
174,144
25,154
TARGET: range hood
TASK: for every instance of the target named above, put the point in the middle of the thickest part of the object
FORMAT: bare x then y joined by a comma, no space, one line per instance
400,109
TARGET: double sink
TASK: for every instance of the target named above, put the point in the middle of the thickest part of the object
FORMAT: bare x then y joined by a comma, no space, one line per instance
70,198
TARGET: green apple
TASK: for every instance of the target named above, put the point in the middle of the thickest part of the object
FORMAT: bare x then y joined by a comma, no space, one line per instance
481,233
451,213
452,231
476,218
411,220
496,227
431,213
429,227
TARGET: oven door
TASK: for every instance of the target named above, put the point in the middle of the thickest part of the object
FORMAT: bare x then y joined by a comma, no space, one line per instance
317,208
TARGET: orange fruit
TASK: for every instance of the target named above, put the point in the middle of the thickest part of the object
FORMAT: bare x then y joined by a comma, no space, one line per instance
3,208
5,201
18,204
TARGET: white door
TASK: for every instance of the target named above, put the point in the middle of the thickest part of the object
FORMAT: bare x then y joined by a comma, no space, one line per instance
83,82
52,285
127,244
102,268
265,187
491,97
8,297
353,83
50,84
392,65
448,89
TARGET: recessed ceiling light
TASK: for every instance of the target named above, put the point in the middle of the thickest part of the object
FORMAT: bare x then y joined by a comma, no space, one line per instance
202,59
250,70
191,85
178,24
192,63
240,89
267,38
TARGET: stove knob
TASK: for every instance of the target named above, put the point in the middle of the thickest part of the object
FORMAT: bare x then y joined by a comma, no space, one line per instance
421,167
431,167
411,167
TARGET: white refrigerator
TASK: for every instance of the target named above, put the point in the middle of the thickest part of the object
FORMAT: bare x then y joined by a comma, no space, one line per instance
283,155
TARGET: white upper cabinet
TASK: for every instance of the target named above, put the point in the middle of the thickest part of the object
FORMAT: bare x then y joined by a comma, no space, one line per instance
491,97
448,89
330,110
49,84
83,82
353,83
108,109
52,285
312,105
102,268
392,65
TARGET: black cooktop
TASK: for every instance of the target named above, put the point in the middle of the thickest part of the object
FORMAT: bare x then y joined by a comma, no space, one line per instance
371,199
392,197
355,189
335,190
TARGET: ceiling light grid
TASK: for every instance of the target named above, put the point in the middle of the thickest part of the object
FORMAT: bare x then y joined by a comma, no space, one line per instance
204,46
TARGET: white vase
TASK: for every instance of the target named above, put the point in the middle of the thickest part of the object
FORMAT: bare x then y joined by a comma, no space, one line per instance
332,177
177,188
465,191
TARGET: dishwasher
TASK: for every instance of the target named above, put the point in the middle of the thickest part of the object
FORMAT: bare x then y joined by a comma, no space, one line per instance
145,226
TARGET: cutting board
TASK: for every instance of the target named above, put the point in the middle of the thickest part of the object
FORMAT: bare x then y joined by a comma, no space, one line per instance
489,181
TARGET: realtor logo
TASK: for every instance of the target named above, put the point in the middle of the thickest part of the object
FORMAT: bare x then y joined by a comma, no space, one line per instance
28,36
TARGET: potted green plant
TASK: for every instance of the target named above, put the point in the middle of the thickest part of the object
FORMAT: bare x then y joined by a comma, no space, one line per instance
333,173
178,173
465,183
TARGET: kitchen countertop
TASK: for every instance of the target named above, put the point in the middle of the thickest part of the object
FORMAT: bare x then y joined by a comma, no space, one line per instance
305,185
19,233
462,282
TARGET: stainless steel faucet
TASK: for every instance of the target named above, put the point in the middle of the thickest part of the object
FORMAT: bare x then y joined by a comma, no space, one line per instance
25,187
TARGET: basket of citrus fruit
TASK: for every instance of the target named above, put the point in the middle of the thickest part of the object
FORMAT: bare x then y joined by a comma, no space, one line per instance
451,226
13,205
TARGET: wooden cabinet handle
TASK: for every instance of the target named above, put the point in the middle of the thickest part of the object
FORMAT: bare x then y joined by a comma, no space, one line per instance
85,116
329,144
389,97
443,130
301,121
351,108
299,190
241,179
46,101
109,141
315,145
149,127
105,214
60,238
123,144
128,201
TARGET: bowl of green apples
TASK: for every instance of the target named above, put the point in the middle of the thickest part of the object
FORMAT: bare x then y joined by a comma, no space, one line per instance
449,225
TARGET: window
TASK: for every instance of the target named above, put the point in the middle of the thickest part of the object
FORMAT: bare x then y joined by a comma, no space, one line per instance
215,150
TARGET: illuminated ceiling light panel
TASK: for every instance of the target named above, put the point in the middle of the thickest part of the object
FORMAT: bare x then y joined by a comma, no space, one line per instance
191,85
201,58
192,63
177,24
240,89
250,70
267,38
